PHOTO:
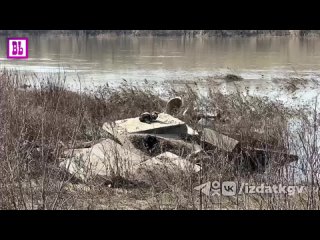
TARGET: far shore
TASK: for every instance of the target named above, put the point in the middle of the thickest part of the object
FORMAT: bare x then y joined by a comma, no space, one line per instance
169,33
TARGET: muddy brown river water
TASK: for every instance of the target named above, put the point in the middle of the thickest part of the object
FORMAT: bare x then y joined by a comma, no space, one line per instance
110,59
100,60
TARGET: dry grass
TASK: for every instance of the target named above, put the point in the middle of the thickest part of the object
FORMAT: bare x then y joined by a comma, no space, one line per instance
293,84
39,123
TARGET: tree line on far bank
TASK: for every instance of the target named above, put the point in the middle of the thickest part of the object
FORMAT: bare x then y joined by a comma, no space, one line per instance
186,33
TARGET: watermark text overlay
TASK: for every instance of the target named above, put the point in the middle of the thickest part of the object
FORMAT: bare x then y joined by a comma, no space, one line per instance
229,188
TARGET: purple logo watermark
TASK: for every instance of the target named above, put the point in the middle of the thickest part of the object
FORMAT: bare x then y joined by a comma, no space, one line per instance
17,48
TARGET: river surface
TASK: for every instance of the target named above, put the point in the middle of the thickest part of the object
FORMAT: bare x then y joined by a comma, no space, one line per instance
100,60
111,59
262,62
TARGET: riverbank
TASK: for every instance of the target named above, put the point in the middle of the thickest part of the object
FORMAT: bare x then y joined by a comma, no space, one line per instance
40,123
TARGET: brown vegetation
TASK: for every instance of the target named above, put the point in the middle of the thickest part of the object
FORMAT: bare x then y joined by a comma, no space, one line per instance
39,122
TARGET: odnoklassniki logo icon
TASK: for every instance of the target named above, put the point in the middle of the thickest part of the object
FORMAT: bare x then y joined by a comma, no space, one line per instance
17,48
